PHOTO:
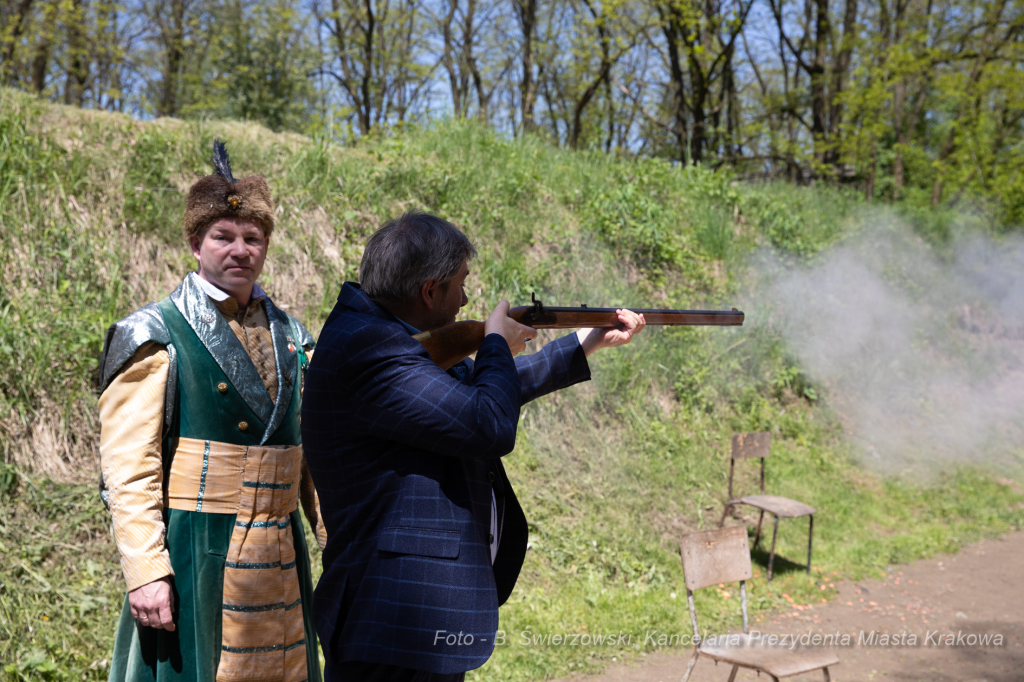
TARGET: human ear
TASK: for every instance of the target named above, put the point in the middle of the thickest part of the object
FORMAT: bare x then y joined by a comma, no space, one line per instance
428,293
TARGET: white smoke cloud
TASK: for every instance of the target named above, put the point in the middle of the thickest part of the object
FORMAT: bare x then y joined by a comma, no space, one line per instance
922,352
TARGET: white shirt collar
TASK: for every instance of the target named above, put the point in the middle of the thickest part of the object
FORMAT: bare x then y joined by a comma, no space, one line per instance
218,294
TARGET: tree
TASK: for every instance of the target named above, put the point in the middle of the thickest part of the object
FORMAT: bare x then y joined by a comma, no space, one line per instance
260,62
526,12
374,47
13,19
703,33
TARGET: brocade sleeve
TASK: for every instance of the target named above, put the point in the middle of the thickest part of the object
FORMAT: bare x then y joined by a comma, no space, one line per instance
131,427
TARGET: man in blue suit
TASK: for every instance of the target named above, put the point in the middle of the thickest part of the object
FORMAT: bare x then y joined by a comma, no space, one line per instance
425,535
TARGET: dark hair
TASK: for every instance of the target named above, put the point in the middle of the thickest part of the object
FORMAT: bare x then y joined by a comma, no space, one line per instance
408,251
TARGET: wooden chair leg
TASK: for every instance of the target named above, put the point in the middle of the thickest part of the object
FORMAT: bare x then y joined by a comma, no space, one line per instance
732,675
689,666
725,512
810,540
757,535
828,678
771,555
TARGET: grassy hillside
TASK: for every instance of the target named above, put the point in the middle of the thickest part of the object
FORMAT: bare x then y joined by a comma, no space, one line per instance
609,473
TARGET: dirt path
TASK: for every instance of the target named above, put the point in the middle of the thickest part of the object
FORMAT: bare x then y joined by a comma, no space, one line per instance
979,591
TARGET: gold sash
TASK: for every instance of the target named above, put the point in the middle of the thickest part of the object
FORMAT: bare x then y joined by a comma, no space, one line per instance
263,635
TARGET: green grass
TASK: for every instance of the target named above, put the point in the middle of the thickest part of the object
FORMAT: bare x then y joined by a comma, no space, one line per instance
609,473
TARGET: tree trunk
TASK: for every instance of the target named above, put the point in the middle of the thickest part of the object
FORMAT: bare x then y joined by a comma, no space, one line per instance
606,67
41,60
581,104
448,58
732,125
611,115
819,96
527,12
78,60
697,99
894,29
39,65
10,74
174,55
673,31
483,97
840,76
365,121
468,41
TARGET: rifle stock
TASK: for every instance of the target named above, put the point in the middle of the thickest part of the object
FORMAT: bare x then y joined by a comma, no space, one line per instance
451,345
454,343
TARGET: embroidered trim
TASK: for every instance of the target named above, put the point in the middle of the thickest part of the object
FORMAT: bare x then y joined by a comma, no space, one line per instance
262,649
263,524
236,564
267,486
254,609
202,478
290,564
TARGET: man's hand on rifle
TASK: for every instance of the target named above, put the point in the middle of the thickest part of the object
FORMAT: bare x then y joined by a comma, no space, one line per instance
630,324
514,333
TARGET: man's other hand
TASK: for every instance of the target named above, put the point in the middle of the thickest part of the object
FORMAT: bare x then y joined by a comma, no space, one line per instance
630,324
514,333
153,604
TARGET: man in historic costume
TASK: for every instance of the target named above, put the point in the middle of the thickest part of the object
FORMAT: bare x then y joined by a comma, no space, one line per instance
202,464
426,538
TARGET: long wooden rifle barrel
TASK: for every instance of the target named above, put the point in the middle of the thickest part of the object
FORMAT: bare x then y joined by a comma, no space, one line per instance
451,344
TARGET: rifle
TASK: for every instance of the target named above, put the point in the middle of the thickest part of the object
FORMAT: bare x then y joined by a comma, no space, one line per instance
455,342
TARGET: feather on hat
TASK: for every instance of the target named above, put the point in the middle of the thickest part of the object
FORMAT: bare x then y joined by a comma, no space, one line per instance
220,195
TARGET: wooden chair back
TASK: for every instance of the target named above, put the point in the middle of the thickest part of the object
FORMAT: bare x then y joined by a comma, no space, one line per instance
712,557
715,556
749,446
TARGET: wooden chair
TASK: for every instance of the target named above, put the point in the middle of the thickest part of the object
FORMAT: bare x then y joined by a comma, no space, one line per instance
756,446
723,556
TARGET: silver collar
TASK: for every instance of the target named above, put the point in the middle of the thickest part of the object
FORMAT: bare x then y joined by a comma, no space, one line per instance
285,348
215,333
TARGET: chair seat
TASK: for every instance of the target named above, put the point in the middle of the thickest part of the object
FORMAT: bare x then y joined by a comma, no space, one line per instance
782,507
779,661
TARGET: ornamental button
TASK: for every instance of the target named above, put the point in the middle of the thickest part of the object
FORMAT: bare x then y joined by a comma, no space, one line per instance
490,476
490,539
222,387
242,426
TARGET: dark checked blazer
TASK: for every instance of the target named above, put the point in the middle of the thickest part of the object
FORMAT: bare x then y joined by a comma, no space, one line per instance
405,456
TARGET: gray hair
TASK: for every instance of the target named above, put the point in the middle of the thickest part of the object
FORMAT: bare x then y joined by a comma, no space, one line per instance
407,252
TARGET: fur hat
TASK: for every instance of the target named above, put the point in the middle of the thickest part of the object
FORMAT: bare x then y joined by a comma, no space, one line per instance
220,195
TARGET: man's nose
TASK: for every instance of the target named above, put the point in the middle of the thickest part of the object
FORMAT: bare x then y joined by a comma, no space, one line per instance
238,248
